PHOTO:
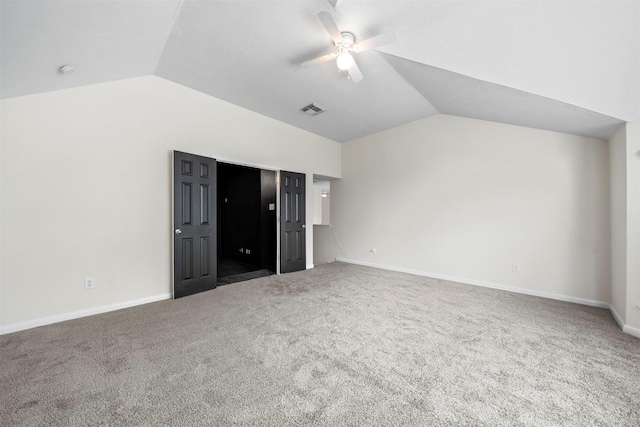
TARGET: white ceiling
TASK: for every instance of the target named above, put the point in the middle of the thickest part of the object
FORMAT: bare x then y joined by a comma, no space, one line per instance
566,66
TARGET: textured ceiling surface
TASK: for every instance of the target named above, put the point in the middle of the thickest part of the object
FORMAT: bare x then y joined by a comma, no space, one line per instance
566,66
102,40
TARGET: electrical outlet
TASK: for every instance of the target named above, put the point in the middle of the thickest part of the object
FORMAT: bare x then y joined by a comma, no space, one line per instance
515,268
89,283
247,251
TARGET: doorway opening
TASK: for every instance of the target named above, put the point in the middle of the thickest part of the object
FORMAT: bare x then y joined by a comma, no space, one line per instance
247,223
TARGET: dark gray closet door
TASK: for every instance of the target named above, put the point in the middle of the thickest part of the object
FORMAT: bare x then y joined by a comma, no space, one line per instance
195,258
292,222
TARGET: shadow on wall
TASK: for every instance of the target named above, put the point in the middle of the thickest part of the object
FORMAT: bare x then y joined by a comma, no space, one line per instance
323,239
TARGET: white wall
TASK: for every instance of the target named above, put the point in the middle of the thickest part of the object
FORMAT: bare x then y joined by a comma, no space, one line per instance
624,154
618,183
321,205
317,204
633,225
465,199
86,187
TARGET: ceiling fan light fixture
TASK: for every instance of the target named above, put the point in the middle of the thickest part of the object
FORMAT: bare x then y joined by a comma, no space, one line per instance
344,61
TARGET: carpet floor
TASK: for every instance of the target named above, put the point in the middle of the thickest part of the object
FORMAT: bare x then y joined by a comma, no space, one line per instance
336,345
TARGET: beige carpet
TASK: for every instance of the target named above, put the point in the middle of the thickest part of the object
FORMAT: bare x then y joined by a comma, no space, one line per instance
337,345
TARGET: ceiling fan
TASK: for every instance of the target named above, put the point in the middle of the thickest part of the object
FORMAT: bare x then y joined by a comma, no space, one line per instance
345,45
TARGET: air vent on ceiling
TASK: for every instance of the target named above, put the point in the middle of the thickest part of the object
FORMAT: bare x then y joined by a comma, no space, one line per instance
312,110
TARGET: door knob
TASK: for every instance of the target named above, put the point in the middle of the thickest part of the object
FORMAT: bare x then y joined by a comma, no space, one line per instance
304,226
178,231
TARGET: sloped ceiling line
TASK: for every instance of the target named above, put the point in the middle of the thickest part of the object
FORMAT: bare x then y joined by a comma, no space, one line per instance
549,65
459,95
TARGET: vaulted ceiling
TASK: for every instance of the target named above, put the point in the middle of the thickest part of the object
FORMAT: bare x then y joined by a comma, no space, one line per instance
566,66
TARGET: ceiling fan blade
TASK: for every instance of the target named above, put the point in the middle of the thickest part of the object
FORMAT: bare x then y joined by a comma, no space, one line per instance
331,26
375,42
354,73
318,60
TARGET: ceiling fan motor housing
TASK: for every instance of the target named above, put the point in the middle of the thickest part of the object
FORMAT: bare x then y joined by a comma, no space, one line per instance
347,42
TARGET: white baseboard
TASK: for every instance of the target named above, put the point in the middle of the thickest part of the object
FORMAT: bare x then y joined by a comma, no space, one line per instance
616,317
15,327
483,284
631,331
625,328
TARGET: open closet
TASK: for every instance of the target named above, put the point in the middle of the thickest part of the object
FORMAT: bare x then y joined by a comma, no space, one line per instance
246,223
226,225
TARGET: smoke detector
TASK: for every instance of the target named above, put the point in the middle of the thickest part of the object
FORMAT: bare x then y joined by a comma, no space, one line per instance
66,70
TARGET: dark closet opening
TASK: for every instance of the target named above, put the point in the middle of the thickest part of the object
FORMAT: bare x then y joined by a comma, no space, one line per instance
246,223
